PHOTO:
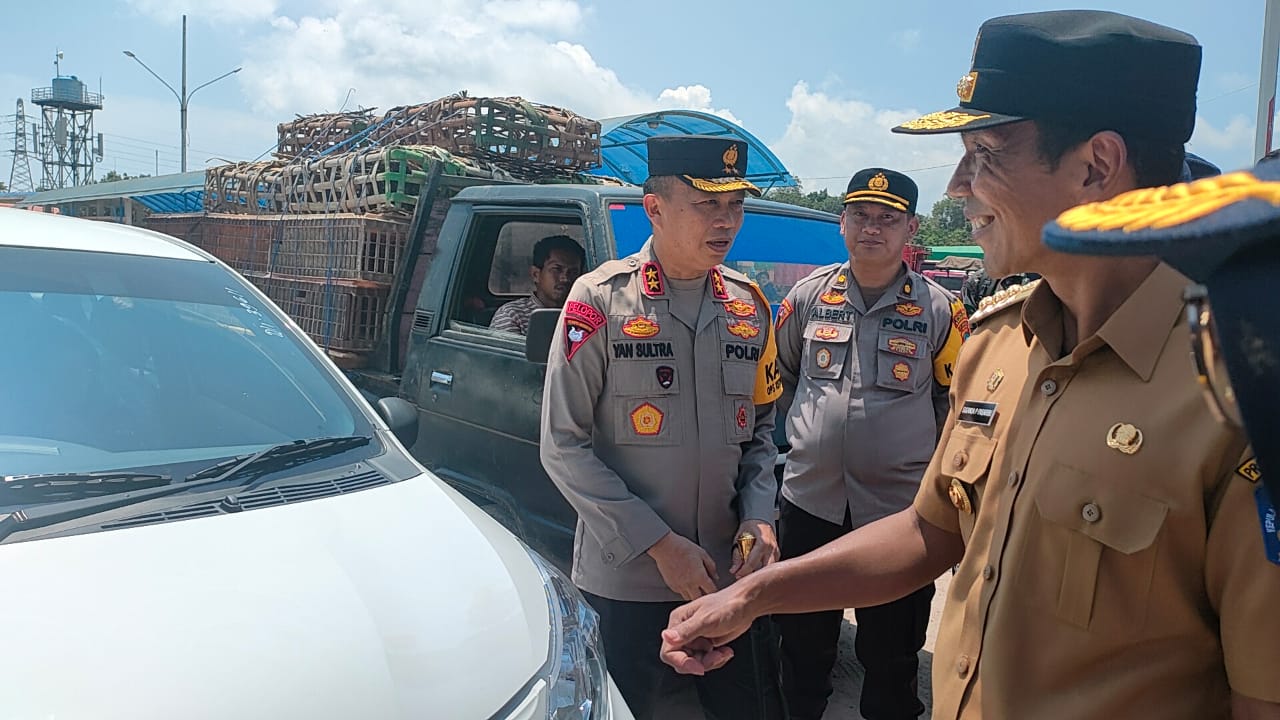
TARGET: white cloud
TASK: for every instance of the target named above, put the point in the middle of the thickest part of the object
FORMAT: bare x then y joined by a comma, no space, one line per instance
829,139
693,97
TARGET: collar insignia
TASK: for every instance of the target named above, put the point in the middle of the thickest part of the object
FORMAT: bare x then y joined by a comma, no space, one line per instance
653,284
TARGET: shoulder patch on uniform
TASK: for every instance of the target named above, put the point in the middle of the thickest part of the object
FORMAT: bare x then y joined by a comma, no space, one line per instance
784,312
1007,298
581,321
1249,470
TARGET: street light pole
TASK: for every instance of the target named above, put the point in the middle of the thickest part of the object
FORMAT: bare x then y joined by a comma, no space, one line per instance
184,97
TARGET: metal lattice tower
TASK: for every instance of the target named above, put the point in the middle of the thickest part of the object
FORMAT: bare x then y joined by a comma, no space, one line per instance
20,172
66,146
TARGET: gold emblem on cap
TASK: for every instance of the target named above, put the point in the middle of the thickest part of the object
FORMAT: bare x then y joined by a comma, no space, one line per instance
964,88
942,120
1125,438
959,497
993,382
730,159
879,183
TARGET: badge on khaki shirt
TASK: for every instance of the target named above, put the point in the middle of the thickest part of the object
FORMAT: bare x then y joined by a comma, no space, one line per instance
976,412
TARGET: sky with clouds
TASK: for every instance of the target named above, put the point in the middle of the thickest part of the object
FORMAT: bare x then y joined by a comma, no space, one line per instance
819,82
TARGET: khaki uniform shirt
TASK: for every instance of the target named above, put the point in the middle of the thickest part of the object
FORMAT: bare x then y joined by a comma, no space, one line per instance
1107,573
867,390
651,426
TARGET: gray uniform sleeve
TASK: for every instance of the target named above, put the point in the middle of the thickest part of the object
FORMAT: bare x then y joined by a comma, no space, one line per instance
790,345
757,485
622,523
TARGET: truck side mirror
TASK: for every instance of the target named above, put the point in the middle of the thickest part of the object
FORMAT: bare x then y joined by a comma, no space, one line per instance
402,417
542,327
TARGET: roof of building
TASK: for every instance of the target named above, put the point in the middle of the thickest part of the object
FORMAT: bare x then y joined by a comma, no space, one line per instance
624,154
179,192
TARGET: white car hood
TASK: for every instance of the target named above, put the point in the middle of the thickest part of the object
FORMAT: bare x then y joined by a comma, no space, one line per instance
394,602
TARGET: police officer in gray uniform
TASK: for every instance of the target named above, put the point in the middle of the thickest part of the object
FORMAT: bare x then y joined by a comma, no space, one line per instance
657,426
866,348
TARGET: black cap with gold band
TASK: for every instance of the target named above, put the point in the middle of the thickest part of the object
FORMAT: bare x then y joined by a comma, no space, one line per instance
710,163
1084,67
887,187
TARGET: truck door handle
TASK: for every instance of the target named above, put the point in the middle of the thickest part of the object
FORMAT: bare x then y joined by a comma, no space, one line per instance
441,378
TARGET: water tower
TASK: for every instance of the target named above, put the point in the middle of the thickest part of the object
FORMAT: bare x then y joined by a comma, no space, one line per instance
67,143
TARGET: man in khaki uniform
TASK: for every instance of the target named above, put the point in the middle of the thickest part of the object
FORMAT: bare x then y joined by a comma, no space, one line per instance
866,348
1103,520
658,428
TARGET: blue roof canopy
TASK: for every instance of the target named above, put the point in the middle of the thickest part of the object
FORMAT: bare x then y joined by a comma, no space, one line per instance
624,155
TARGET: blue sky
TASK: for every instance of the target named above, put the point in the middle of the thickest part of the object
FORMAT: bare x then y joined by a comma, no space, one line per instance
819,82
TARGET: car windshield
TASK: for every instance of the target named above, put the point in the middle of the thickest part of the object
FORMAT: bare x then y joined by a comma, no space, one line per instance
131,363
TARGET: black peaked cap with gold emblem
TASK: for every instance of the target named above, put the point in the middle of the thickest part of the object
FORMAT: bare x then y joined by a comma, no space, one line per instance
1084,67
710,163
887,187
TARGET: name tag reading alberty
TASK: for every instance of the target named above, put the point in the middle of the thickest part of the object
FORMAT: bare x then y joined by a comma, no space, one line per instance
975,412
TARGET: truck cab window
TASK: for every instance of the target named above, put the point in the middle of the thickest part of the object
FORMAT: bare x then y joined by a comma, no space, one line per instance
497,270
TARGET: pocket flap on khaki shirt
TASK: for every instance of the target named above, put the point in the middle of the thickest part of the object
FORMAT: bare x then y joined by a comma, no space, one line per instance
1100,508
967,456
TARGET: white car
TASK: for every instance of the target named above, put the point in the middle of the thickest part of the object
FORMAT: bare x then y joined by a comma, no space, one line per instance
200,518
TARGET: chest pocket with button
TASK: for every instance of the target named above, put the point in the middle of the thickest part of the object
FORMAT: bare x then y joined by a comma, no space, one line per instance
902,361
644,381
826,349
966,460
1090,544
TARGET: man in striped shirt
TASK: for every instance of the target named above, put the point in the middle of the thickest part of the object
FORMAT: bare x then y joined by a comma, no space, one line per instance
557,262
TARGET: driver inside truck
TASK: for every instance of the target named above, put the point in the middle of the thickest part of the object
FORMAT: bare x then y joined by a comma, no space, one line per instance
557,262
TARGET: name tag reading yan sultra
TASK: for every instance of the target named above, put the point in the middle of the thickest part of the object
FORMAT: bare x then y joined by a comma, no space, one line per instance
976,412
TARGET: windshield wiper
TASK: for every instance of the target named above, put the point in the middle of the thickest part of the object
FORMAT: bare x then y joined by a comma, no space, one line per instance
272,459
277,458
67,486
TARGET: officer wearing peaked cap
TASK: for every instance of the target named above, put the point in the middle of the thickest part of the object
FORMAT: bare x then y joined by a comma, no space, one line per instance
1092,502
657,426
866,348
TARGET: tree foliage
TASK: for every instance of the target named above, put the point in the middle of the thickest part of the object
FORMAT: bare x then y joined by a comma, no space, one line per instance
945,225
112,176
818,200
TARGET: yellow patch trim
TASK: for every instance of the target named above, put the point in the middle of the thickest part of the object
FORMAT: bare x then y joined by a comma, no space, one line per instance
942,120
1249,470
1164,207
768,385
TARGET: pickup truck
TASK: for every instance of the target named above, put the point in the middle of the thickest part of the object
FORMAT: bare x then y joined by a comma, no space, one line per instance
478,391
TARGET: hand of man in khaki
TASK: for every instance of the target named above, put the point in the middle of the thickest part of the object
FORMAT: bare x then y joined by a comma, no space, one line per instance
764,549
686,568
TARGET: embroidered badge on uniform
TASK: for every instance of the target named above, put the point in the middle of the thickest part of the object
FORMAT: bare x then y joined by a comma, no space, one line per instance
581,321
744,329
901,372
717,285
740,308
826,332
906,288
822,358
784,312
1270,523
666,375
640,327
652,274
902,346
741,416
646,420
960,321
908,309
832,297
1249,470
